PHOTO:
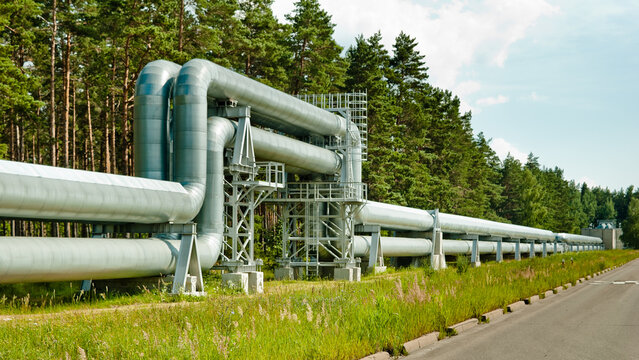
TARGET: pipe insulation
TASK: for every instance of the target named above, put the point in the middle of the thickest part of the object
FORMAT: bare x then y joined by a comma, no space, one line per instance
269,107
32,191
404,218
298,156
578,239
151,113
39,259
416,247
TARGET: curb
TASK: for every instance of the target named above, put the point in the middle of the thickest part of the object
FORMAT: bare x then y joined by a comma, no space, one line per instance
532,299
420,342
382,355
492,315
516,306
463,326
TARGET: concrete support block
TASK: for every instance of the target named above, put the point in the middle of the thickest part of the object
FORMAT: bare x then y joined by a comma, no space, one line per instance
357,274
548,294
492,315
438,258
236,281
420,342
382,355
516,306
531,299
439,262
463,326
284,273
343,274
190,287
256,282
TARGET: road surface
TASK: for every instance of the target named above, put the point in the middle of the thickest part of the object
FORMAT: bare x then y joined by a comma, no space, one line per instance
595,320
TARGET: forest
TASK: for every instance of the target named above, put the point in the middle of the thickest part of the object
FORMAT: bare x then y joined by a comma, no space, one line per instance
67,79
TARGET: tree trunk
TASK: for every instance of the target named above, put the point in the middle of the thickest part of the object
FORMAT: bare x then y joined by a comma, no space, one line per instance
125,110
90,128
67,85
181,31
112,125
54,140
12,141
107,142
73,148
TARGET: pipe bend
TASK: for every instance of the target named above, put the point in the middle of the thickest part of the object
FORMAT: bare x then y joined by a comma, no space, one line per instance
152,95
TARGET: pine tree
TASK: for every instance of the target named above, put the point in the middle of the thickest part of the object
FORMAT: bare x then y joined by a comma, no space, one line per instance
317,66
630,226
409,71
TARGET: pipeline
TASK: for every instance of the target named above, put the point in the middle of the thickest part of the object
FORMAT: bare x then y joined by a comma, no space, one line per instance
416,247
188,185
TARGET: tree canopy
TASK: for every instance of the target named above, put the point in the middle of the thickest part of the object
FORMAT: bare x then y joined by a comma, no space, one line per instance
68,69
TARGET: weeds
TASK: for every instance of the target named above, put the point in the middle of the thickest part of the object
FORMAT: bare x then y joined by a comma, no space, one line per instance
462,264
319,320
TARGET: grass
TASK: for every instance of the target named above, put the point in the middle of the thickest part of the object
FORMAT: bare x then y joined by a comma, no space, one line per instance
294,320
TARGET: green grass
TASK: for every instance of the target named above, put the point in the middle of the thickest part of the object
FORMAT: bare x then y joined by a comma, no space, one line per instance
296,320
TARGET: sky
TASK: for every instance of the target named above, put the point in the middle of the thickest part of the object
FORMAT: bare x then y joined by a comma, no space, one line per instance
559,79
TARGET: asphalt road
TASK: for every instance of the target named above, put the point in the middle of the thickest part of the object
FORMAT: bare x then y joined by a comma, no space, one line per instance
595,320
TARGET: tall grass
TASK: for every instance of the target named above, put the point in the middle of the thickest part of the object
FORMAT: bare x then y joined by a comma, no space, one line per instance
317,320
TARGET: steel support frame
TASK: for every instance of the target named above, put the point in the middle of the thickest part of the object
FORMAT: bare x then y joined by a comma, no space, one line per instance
319,217
531,254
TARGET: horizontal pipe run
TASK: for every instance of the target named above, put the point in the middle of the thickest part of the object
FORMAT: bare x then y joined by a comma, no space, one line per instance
416,247
578,239
199,79
44,192
44,259
294,153
409,219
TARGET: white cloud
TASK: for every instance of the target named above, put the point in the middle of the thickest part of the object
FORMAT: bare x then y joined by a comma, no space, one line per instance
534,97
502,148
453,35
492,100
590,182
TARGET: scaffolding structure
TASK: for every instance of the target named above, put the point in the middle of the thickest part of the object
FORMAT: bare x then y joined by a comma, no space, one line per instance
247,184
317,216
351,106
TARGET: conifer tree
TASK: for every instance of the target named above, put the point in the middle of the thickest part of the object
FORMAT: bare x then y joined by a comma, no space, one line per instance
317,65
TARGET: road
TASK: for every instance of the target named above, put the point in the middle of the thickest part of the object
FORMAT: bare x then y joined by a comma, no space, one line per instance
595,320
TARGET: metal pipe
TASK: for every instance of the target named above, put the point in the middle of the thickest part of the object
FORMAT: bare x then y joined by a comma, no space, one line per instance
418,247
151,111
44,192
294,153
578,239
270,107
36,259
409,219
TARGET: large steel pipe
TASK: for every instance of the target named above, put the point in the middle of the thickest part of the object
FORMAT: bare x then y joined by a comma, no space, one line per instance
151,113
45,192
578,239
297,155
270,107
409,219
36,259
416,247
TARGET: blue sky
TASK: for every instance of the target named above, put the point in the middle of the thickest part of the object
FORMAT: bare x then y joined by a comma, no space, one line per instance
559,79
